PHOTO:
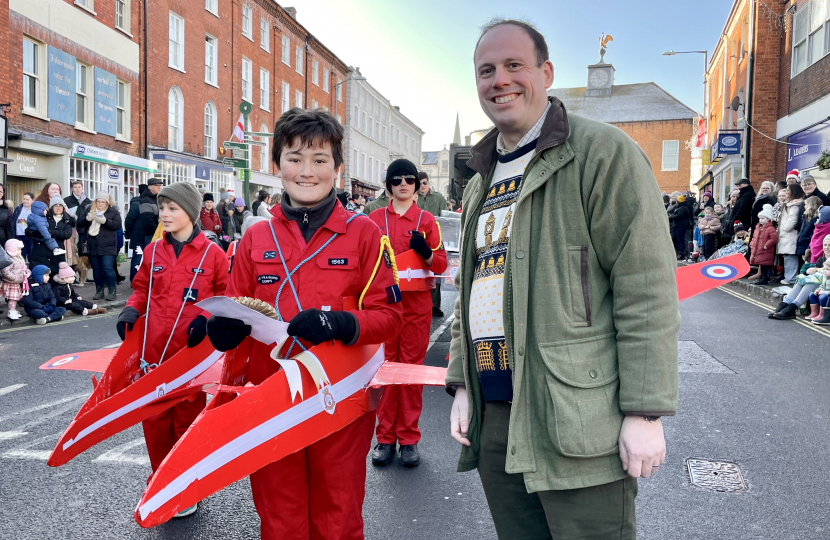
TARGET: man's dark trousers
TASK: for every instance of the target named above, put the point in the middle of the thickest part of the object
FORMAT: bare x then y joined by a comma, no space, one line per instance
602,512
436,295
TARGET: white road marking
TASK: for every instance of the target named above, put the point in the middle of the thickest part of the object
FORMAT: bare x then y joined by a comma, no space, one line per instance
44,406
119,454
440,331
25,451
113,346
10,389
20,431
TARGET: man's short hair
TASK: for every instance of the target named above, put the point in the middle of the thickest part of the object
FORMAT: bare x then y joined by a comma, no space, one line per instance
79,183
539,43
355,196
423,175
807,178
312,128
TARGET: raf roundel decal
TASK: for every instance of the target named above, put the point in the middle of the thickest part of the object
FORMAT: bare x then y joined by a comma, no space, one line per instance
62,361
719,271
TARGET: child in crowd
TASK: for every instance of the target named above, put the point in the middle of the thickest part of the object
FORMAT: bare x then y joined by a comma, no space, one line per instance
40,304
737,245
821,296
720,213
697,240
66,295
762,247
14,284
37,220
820,232
783,196
709,226
808,226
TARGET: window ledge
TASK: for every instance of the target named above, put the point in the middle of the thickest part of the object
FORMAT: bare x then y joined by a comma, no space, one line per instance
286,63
171,66
81,127
36,114
266,109
83,7
212,84
669,170
212,13
264,49
123,140
125,32
250,38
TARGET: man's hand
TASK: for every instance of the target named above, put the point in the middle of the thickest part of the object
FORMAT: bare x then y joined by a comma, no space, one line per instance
460,416
319,326
642,446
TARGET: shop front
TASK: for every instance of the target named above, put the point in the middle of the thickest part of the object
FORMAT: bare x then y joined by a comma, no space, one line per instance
263,182
804,149
727,164
205,174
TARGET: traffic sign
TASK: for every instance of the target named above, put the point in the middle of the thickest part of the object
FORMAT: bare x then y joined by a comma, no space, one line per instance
232,144
235,163
259,134
239,153
245,108
255,143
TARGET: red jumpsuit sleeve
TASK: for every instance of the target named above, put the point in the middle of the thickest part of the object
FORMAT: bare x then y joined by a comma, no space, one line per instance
221,277
433,238
382,313
141,282
241,281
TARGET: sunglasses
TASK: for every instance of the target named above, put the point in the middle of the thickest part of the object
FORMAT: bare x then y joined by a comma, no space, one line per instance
410,180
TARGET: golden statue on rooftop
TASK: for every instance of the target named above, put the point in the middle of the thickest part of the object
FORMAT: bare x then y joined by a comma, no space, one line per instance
603,43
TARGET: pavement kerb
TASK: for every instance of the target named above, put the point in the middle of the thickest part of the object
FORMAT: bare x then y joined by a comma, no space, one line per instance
757,290
120,300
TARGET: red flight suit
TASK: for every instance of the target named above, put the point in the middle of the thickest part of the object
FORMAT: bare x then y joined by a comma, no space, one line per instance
172,277
400,406
316,493
210,220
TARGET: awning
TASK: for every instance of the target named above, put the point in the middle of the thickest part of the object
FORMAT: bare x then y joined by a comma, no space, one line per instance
366,185
707,178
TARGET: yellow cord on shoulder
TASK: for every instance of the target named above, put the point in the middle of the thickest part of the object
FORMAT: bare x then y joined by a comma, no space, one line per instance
385,244
440,237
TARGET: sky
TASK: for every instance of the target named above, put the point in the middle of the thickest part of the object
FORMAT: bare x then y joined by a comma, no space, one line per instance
419,54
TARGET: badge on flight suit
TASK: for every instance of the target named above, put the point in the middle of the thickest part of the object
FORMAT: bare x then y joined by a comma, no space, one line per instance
190,295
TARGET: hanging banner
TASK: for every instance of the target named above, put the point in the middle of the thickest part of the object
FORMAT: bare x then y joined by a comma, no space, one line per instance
61,79
805,148
105,105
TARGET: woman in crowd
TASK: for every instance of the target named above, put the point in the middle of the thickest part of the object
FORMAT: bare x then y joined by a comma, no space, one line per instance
706,200
98,225
49,190
60,225
806,284
6,218
820,232
238,217
789,223
262,199
681,220
21,222
728,223
669,209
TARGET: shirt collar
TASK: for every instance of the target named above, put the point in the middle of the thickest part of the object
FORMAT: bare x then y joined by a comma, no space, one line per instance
529,136
412,214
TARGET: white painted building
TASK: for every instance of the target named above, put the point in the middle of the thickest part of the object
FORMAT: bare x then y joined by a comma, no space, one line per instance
376,134
437,166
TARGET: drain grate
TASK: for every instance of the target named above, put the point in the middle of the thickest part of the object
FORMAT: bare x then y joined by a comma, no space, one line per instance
693,359
719,476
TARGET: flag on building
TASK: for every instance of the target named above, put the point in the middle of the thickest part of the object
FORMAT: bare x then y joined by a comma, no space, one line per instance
701,132
239,129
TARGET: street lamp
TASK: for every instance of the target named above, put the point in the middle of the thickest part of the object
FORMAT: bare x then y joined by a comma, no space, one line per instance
358,78
705,70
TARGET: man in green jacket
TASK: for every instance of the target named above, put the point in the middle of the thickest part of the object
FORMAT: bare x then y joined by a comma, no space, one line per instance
564,346
434,203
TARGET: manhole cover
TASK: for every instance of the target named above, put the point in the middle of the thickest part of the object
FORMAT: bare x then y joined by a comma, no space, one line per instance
720,476
693,359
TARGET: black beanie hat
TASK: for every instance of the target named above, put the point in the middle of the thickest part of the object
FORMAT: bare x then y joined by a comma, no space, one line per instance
207,197
400,167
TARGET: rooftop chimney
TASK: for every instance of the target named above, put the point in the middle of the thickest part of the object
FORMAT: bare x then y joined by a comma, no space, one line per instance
292,11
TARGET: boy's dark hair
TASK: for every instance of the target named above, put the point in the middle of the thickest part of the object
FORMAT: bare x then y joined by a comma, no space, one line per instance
423,175
539,43
355,196
781,184
795,191
312,128
30,194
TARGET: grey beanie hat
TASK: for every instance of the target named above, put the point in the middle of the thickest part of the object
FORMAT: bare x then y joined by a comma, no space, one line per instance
185,195
56,199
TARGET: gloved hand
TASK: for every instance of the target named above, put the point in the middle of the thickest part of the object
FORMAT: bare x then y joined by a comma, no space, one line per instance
217,228
226,333
126,320
419,245
318,326
197,331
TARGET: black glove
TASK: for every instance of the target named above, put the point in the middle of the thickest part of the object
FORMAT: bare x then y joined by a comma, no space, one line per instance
419,245
197,331
225,333
318,326
126,320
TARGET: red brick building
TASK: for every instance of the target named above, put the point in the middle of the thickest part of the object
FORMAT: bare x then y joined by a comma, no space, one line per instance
71,75
659,123
204,60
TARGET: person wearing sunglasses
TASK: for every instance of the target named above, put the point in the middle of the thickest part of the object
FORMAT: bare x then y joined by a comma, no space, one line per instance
434,203
408,228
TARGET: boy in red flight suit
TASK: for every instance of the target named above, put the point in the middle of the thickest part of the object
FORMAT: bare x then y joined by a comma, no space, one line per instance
316,493
408,227
186,268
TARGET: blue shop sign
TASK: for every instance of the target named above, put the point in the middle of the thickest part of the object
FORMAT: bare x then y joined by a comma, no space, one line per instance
61,78
729,143
105,85
805,148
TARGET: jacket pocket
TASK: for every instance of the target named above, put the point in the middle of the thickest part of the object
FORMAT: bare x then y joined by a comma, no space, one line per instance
583,380
580,287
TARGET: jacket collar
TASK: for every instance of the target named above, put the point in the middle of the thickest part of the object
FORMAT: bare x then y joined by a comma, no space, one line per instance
336,221
555,131
412,214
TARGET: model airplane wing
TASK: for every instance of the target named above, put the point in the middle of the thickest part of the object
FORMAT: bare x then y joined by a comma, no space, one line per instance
95,361
701,277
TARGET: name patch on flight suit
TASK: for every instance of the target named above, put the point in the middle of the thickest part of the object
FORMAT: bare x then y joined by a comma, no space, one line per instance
386,258
338,262
267,279
393,294
190,295
198,270
269,255
158,268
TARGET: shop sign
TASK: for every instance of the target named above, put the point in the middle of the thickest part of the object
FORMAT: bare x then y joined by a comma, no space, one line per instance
805,148
110,157
729,143
27,165
105,84
61,80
